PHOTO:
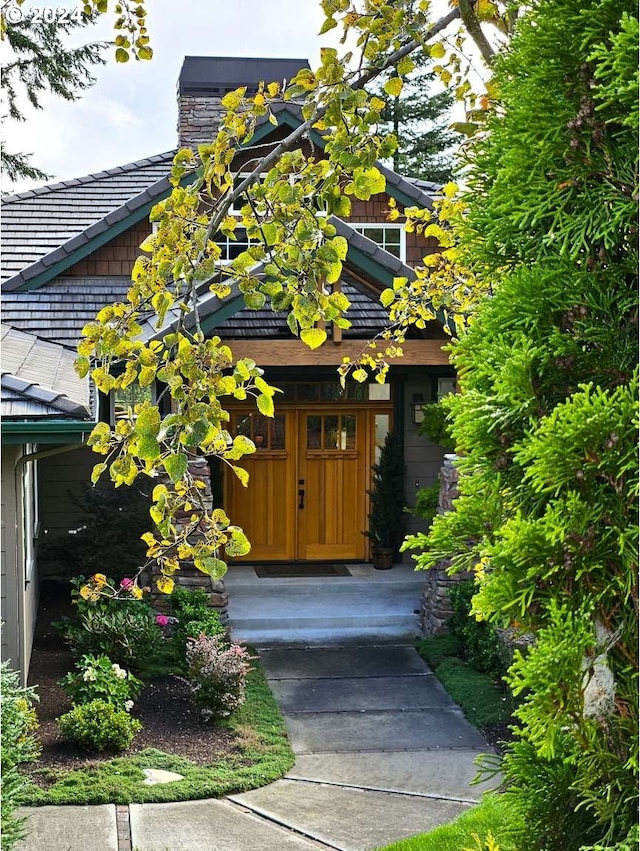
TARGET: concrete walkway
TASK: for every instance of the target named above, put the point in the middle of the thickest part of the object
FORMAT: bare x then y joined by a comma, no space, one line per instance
382,753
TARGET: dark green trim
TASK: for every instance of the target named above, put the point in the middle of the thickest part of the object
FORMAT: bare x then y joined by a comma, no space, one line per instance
229,308
94,244
45,431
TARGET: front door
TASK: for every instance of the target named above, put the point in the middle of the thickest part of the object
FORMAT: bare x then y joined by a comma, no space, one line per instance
308,478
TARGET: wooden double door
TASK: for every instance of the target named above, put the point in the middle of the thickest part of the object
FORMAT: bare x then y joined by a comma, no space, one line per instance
308,480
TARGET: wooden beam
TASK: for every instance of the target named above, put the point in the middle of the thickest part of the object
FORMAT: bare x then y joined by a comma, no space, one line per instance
294,353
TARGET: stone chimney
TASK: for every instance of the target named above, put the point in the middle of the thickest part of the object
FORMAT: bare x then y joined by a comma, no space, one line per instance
204,80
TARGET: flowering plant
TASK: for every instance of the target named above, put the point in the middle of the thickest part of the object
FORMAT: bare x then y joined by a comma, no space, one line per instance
217,673
124,629
98,678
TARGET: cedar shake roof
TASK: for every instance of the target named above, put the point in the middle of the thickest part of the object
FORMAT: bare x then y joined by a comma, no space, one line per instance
44,225
59,310
38,379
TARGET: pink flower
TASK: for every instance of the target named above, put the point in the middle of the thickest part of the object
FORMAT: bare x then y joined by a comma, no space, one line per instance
162,620
126,583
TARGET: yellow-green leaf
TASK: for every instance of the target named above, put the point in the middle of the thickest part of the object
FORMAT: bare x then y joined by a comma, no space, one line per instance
437,50
242,474
393,87
265,405
213,567
148,422
387,297
313,337
165,585
176,466
82,366
239,544
97,471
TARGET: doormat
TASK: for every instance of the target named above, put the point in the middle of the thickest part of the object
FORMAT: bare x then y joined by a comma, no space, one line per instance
286,571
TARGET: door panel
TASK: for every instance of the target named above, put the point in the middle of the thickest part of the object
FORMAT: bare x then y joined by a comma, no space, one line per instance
308,480
331,452
263,509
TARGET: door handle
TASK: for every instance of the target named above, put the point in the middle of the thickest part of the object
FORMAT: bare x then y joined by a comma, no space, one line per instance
301,498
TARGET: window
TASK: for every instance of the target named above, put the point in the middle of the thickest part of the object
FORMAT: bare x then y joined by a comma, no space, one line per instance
231,248
389,237
445,386
125,398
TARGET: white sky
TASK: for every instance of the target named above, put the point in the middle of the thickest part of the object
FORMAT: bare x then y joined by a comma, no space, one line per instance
131,112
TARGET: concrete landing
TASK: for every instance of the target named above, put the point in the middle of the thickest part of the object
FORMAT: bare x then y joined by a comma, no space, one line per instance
368,605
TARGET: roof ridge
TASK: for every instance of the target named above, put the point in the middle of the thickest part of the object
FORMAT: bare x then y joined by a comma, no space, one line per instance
89,178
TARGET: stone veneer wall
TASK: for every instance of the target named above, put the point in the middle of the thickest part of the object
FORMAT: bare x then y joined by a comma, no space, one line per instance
435,608
189,576
198,118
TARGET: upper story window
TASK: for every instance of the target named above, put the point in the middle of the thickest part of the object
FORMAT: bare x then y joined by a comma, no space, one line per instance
231,248
390,237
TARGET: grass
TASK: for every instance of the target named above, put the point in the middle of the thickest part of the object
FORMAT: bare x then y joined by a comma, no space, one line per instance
494,815
263,754
484,701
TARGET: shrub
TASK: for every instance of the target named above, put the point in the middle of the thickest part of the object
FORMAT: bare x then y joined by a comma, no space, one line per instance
124,630
18,722
189,603
217,674
195,616
481,646
98,678
99,726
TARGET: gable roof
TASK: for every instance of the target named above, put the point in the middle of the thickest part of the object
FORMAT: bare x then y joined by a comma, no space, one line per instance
39,380
44,226
49,229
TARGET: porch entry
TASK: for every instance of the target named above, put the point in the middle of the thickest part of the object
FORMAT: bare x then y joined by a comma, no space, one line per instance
308,481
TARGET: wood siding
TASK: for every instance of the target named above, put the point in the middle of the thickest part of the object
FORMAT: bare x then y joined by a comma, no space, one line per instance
61,478
19,599
116,257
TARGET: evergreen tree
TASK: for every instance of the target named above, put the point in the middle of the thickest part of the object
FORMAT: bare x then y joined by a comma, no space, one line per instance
40,62
546,423
419,119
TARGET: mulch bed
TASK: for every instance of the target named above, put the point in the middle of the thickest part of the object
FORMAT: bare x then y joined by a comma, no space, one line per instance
170,721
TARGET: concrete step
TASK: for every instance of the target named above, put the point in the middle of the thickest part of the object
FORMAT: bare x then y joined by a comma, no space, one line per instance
320,637
368,604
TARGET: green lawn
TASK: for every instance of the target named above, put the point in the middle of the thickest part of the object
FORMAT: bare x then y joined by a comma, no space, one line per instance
484,700
263,755
493,817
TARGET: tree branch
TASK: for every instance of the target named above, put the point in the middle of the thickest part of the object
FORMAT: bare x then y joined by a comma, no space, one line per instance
291,140
472,24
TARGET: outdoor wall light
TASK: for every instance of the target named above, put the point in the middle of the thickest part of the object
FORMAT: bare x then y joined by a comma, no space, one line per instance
417,411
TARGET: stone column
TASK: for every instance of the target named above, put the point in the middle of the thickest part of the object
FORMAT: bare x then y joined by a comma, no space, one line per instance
189,576
435,607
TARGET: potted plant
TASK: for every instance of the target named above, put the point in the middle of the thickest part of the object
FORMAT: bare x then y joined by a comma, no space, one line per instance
386,506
